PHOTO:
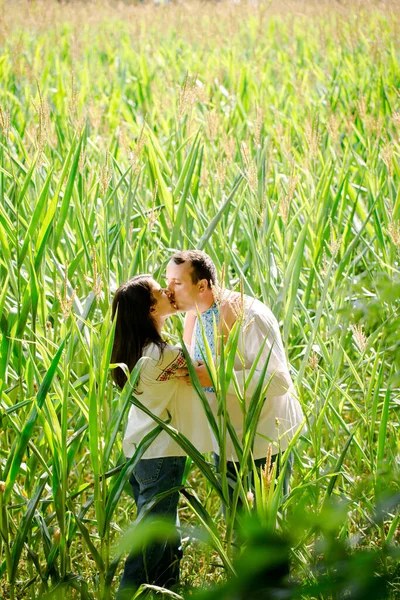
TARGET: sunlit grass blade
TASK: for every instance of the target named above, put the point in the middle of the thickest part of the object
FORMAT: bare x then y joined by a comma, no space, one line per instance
26,432
25,527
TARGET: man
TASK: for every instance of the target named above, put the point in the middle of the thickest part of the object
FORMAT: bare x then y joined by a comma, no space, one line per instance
192,278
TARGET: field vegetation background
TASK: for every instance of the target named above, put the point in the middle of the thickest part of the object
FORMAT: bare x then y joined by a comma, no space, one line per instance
267,134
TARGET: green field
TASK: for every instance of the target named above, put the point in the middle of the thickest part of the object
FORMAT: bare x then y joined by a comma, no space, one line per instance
266,134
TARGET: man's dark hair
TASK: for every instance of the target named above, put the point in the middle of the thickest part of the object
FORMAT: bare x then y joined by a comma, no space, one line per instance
202,265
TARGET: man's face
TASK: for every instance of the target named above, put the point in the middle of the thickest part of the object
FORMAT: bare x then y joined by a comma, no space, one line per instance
179,281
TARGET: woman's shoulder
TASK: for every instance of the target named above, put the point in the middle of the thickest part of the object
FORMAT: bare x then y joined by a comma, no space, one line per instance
165,361
152,350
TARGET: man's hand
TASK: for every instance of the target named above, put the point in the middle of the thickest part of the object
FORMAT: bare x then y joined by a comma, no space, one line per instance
203,375
201,371
184,372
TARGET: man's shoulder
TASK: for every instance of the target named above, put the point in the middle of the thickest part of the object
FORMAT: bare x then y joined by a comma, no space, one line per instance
254,307
234,303
260,314
251,310
231,307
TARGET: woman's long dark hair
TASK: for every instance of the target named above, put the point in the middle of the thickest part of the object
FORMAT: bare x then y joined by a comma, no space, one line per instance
135,327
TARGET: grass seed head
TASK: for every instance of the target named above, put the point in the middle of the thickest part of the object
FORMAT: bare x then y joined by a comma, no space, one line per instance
212,124
237,305
248,324
284,207
123,139
204,175
105,178
374,125
95,114
333,127
325,264
334,242
387,157
250,168
82,161
5,122
359,337
236,302
65,301
394,229
349,123
258,125
73,99
313,137
266,471
135,153
141,141
97,283
286,200
153,214
221,171
187,96
43,112
313,361
394,232
362,107
229,147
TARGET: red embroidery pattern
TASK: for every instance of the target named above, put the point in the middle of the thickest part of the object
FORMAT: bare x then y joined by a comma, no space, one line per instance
169,370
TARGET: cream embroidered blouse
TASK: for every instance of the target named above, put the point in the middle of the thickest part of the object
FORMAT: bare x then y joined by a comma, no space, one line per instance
166,395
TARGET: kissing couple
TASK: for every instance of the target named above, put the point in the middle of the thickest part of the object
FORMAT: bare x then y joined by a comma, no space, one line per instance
140,308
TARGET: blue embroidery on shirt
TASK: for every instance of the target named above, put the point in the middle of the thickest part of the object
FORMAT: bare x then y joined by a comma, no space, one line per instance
207,319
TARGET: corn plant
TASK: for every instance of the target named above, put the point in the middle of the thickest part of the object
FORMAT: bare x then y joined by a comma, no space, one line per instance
266,136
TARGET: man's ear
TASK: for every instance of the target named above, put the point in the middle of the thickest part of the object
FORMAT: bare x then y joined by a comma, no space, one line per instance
203,285
153,309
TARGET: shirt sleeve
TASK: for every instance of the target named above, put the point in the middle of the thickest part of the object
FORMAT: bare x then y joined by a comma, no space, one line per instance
262,330
171,359
157,386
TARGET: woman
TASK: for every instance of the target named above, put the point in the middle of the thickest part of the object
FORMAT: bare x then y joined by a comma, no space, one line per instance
140,307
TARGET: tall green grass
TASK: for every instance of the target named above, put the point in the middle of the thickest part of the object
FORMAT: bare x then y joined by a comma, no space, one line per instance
269,140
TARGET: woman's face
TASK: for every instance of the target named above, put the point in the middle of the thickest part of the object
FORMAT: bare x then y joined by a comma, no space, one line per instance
163,299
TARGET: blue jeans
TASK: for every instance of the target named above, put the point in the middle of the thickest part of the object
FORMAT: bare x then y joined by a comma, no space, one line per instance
157,563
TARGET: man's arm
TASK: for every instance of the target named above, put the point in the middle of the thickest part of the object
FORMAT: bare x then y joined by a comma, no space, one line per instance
262,332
